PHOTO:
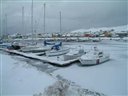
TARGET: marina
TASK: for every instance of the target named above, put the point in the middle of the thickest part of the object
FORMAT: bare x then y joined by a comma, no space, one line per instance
63,48
51,60
116,65
62,56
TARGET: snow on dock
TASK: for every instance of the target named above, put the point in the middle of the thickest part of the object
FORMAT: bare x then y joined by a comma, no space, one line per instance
52,60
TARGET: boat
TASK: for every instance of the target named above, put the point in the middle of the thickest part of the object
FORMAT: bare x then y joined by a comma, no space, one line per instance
57,50
54,52
11,46
73,54
48,43
35,49
94,57
1,42
4,45
15,46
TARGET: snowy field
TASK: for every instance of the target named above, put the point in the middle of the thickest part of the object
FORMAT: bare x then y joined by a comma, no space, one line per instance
21,76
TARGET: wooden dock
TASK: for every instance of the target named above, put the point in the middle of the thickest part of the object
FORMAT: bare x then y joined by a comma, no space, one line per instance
47,59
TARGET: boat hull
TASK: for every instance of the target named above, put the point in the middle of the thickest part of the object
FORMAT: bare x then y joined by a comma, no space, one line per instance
94,61
34,49
70,57
57,52
5,45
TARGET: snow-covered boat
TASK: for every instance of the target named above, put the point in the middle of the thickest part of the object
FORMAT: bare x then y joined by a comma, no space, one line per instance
35,48
94,57
5,45
16,46
48,43
73,54
56,50
60,51
11,46
1,42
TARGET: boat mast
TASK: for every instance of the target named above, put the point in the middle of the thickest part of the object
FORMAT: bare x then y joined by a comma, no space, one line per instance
32,19
35,29
23,20
6,24
60,22
44,18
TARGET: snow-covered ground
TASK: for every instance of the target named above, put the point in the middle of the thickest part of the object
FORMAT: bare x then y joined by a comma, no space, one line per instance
110,78
20,79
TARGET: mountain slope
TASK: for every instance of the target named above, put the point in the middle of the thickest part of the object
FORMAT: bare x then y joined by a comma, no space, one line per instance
116,29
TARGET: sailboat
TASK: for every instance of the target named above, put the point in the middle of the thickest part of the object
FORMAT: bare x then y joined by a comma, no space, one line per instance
21,46
57,49
35,48
4,44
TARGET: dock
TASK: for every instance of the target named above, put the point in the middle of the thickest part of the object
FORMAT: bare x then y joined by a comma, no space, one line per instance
47,59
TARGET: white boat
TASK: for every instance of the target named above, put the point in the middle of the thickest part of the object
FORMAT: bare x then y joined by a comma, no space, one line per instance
41,48
94,57
60,51
35,49
73,54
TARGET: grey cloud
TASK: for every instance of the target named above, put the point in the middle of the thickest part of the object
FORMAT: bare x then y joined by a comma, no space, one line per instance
75,14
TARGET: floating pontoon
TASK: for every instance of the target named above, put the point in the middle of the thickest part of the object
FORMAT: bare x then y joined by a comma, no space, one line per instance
56,60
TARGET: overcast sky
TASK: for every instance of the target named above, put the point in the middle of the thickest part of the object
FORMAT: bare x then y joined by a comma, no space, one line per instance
76,14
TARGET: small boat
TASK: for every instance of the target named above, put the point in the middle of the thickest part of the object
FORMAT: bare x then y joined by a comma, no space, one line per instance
1,42
5,45
60,51
11,46
48,43
56,50
15,46
35,49
94,57
73,54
